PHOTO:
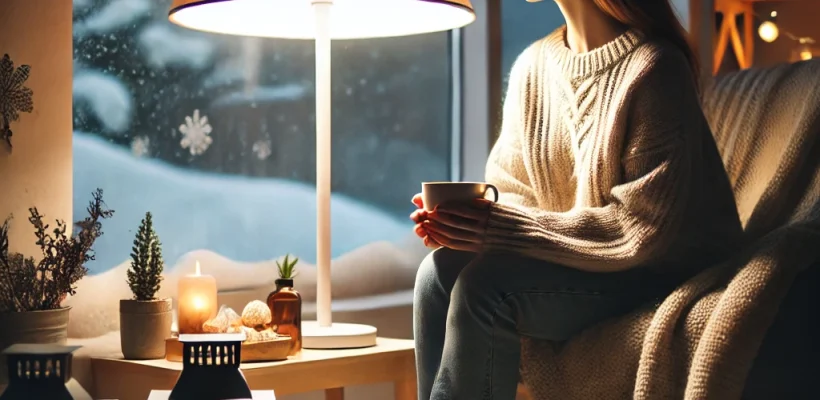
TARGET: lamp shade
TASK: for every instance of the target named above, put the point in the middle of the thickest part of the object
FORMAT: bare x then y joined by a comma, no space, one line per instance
294,19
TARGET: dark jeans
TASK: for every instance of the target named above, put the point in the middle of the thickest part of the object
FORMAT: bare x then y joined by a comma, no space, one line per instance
471,310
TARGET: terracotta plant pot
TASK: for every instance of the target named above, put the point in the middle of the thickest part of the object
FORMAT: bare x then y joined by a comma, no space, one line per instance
144,326
38,327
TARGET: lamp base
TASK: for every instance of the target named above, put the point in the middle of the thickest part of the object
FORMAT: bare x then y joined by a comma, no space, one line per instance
337,336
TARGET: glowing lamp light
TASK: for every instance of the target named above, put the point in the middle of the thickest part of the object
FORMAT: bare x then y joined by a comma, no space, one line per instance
295,19
323,20
768,31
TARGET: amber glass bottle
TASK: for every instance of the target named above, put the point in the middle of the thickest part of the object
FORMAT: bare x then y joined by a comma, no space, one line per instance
285,305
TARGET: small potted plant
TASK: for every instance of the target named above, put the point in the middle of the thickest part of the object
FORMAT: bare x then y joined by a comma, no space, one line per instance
32,291
145,321
285,305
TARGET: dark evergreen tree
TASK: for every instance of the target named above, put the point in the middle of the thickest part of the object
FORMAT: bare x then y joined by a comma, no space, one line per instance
145,274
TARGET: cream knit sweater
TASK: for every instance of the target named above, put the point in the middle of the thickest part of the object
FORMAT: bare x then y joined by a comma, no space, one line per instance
606,162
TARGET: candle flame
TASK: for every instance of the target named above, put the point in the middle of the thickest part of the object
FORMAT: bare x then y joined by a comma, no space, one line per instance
199,303
197,269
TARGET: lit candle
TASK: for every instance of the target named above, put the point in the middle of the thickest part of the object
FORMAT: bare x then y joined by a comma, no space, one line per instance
197,301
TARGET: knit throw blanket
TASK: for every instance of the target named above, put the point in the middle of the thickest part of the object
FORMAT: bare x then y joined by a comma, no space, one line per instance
700,342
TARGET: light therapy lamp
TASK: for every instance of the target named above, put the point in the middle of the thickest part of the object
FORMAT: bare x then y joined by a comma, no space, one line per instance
323,20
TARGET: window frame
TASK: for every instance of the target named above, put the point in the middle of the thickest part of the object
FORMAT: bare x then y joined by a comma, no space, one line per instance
477,81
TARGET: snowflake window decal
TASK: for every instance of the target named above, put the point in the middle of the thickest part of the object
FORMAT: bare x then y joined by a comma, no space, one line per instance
262,149
140,146
196,134
14,97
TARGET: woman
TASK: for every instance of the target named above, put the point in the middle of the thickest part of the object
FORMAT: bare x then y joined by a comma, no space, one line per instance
613,192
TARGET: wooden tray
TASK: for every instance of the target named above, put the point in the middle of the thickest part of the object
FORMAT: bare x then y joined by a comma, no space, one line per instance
271,350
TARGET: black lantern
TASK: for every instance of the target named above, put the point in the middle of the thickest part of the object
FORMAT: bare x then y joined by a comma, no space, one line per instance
210,368
41,371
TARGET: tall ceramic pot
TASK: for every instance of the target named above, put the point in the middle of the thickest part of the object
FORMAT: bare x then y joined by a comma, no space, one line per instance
144,326
37,327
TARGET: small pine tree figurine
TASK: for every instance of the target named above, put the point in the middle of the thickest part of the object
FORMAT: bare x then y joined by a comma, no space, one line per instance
145,273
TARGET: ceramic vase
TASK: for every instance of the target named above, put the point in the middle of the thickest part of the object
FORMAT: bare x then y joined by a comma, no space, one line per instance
36,327
144,326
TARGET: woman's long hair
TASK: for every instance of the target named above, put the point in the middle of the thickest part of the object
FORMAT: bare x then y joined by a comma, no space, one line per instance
655,18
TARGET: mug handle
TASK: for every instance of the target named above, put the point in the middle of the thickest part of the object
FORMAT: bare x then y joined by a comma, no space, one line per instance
495,192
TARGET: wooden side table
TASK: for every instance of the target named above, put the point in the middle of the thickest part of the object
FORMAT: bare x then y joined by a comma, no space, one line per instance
391,360
257,395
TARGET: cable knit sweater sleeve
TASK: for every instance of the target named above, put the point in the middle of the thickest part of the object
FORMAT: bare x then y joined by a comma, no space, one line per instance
642,213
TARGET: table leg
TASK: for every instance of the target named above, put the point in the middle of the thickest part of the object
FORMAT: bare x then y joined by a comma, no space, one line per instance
405,389
335,394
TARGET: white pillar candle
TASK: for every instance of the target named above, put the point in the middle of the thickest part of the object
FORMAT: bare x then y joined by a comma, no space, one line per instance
196,301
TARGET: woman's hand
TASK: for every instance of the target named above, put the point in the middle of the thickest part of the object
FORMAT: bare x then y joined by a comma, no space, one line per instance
420,218
459,226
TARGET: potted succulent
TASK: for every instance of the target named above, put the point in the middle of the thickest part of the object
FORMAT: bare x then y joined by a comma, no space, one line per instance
145,321
32,291
285,304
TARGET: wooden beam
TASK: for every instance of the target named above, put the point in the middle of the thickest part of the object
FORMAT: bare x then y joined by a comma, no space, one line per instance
729,32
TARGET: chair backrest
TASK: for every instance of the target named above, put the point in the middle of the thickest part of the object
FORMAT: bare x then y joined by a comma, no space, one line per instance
766,123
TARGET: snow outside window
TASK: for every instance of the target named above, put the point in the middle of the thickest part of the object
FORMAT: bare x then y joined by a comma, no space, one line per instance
215,136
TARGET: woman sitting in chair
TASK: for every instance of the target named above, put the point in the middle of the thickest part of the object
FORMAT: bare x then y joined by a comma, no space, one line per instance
612,192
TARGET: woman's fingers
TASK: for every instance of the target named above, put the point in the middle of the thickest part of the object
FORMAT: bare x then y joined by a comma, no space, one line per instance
419,216
463,211
417,200
453,243
468,224
452,232
420,231
429,242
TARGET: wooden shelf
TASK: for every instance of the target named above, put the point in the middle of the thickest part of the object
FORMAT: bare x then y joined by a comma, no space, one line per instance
391,360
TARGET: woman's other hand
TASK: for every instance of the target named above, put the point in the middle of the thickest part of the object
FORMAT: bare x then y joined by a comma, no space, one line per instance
459,226
420,218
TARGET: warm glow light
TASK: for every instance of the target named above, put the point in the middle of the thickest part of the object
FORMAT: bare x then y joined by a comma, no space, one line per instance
198,272
806,55
294,19
768,31
198,303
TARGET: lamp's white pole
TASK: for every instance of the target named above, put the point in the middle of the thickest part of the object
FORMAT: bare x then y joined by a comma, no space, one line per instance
322,10
323,333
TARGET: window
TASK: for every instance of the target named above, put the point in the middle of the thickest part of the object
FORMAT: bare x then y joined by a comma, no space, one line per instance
522,24
215,135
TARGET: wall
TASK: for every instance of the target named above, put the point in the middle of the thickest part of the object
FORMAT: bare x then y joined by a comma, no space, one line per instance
798,17
39,169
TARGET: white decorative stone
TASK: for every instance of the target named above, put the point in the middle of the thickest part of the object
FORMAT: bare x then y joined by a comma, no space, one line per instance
256,313
224,320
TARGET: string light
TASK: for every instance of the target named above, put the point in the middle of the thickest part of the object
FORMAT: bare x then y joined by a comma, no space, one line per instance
805,49
769,32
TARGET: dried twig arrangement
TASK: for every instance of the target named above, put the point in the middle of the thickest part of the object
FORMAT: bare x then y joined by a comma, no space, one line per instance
27,285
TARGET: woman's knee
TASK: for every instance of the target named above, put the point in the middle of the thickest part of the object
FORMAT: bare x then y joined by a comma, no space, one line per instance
439,270
485,277
477,293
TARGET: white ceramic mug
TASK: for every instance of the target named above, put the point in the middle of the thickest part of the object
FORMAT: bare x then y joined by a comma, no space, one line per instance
435,193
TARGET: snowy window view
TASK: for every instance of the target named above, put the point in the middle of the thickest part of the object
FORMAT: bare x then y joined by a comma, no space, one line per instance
214,135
